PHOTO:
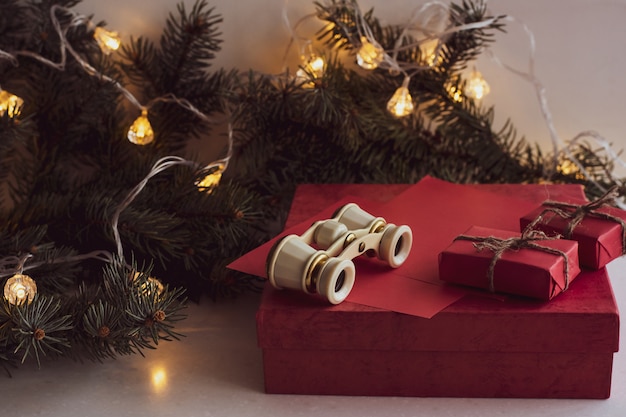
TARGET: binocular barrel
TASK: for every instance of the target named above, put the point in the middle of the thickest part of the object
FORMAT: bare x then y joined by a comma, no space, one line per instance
296,265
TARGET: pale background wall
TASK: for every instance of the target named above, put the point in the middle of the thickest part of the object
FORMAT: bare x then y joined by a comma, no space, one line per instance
580,56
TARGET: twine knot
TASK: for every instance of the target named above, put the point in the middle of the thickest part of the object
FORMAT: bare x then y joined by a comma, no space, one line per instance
576,213
527,240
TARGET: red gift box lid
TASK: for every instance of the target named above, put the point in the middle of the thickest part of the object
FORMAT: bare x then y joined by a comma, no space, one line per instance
583,319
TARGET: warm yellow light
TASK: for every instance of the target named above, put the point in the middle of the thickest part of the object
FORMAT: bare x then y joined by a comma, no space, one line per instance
10,104
330,27
312,70
108,41
158,379
212,180
401,103
151,285
428,51
316,65
455,93
567,167
476,86
19,289
140,132
370,55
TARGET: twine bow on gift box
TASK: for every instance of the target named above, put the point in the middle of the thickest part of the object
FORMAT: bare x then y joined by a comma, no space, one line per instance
527,240
576,213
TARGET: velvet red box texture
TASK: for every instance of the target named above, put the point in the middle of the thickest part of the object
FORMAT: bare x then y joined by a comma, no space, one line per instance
527,272
479,346
599,240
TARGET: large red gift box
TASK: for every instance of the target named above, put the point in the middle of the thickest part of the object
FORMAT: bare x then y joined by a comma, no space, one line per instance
482,345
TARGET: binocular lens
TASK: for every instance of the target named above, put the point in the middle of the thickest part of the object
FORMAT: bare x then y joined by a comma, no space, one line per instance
336,280
396,245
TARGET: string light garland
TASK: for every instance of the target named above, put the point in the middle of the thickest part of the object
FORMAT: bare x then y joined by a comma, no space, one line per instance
21,287
140,132
369,55
432,20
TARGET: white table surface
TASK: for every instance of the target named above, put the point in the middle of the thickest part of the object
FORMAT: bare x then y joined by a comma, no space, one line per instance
217,371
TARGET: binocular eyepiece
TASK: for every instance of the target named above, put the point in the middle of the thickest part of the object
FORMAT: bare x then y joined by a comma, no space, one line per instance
320,261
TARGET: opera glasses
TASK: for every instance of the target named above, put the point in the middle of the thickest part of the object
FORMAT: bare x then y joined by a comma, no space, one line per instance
320,260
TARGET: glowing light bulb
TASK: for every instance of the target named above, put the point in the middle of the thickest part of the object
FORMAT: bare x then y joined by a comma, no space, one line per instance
428,51
567,167
19,289
10,104
476,86
370,55
140,132
151,285
212,180
401,103
107,41
312,70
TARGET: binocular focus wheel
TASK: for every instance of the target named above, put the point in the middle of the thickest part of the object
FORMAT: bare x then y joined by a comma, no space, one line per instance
328,232
395,245
336,280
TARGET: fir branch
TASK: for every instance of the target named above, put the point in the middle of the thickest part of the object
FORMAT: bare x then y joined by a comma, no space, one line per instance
38,328
189,43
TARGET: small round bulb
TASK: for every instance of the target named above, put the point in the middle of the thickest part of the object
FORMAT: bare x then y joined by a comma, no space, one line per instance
310,71
476,86
401,103
140,132
316,65
428,51
150,286
19,289
107,41
212,180
370,55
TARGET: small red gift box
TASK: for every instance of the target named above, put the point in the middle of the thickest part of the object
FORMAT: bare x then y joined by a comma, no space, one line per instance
479,346
600,234
541,270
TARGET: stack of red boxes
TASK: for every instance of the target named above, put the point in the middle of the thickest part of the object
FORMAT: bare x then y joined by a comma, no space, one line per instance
407,333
